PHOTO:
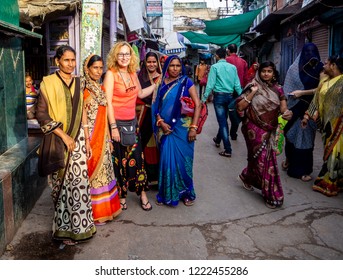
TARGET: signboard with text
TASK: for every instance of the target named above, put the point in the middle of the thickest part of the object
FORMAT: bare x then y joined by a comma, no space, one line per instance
154,8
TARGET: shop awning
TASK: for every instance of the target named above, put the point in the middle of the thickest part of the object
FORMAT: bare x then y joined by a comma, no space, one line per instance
272,21
237,24
173,43
201,38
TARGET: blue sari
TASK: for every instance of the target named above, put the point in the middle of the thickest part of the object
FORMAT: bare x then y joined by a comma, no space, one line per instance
175,180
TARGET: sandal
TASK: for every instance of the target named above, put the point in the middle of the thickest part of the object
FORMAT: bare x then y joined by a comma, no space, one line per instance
224,154
285,164
145,206
215,142
306,178
159,203
188,202
245,185
271,206
123,205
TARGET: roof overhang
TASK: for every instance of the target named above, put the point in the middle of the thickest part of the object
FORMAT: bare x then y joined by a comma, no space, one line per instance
315,8
272,22
40,11
15,31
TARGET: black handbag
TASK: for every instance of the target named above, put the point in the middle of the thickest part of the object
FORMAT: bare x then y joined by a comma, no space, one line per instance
127,130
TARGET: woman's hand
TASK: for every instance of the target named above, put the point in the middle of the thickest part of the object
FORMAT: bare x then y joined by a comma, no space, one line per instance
111,147
287,115
115,134
165,128
69,142
192,135
88,149
296,93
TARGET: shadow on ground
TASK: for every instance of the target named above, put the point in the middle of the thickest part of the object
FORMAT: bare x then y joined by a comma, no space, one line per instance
40,246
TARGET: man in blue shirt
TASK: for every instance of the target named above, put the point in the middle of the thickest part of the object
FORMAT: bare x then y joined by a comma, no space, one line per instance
223,80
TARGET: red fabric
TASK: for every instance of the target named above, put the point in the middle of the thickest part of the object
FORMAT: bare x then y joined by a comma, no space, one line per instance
242,67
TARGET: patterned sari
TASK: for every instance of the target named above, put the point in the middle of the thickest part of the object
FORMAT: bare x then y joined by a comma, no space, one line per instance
104,193
258,127
328,102
176,152
73,218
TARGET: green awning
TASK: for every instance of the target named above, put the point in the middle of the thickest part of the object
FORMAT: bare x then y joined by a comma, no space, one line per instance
201,38
237,24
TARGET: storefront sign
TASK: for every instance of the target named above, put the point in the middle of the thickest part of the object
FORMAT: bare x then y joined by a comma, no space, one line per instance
154,8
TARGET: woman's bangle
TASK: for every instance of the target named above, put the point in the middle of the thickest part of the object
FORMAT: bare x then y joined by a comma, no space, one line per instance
87,138
113,125
110,141
85,125
116,127
246,99
195,127
159,121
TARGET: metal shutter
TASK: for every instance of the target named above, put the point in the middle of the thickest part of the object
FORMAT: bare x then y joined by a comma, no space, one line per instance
320,37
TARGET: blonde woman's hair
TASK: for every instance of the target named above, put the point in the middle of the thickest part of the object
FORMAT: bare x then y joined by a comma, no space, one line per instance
112,58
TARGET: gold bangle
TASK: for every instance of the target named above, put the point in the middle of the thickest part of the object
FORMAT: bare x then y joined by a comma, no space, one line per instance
85,125
193,126
159,121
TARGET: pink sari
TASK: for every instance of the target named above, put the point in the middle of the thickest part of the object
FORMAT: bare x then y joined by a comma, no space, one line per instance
259,127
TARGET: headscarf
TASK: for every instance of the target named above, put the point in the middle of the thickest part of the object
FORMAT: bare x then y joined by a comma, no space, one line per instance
144,75
301,75
93,86
161,89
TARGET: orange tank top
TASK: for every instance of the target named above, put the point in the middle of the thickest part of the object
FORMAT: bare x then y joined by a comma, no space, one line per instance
124,97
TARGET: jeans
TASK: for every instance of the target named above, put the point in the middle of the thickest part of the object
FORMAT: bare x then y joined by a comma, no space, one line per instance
221,103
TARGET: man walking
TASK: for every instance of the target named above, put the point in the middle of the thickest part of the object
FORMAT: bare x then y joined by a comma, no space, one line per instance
242,70
223,80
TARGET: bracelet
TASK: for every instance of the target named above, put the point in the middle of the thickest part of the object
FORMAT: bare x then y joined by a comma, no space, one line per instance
113,126
246,99
110,141
87,138
159,121
193,125
85,125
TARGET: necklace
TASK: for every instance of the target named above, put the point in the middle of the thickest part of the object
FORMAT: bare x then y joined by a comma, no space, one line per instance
126,80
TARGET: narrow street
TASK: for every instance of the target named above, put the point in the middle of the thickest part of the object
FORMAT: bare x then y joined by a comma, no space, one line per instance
226,222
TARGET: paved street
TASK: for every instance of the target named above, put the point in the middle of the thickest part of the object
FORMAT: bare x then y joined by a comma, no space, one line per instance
226,222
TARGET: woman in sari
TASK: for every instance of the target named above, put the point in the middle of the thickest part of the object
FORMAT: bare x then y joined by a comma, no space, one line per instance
175,134
301,80
149,74
327,108
104,193
260,107
60,111
122,89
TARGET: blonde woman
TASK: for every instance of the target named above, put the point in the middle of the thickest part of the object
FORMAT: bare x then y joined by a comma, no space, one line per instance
122,89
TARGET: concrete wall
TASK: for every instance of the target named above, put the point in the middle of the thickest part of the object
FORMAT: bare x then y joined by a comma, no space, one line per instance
20,187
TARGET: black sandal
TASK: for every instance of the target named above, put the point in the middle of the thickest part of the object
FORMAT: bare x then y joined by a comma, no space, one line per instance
145,205
224,154
123,205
